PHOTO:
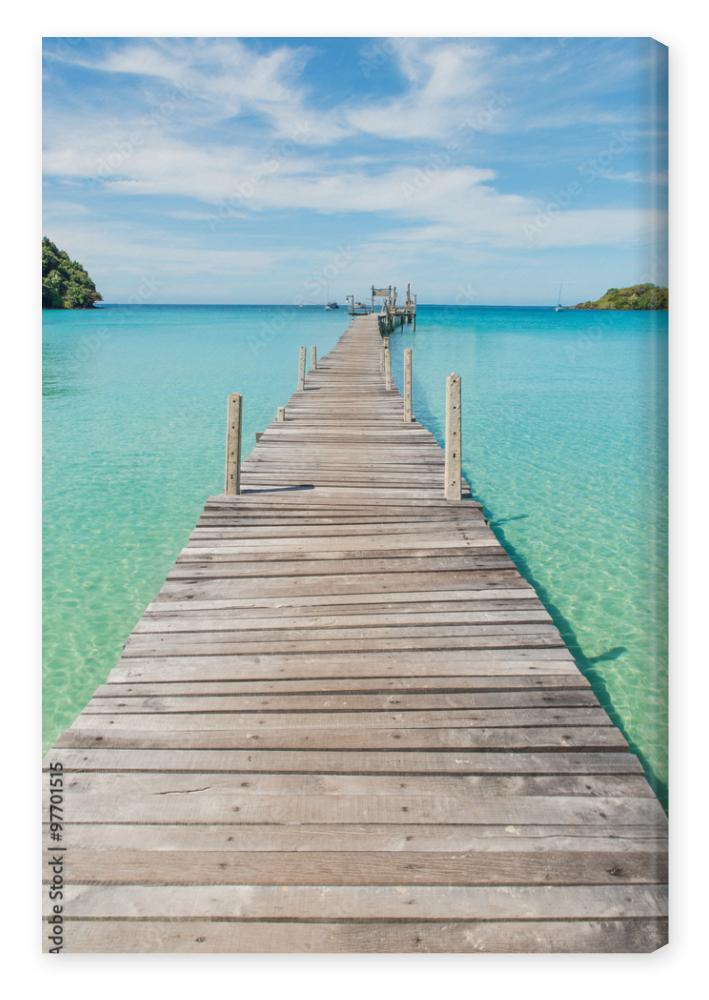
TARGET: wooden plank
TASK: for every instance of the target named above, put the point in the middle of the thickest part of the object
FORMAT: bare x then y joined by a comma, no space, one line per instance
315,623
109,731
356,902
209,937
517,591
371,786
206,702
336,583
347,685
188,645
533,663
345,762
431,838
339,868
368,722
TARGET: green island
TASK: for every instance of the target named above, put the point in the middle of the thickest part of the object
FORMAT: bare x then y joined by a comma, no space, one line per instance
647,296
65,283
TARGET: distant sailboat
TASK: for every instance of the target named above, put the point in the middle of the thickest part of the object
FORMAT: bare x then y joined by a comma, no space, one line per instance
329,306
558,307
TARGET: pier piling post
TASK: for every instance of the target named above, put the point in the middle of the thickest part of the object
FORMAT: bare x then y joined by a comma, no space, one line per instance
452,485
382,352
313,358
301,369
232,479
281,414
387,366
407,384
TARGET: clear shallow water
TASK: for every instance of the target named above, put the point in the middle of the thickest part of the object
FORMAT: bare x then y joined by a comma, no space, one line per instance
134,427
563,441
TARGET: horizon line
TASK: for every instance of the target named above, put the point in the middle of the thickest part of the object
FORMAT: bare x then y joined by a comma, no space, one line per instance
315,305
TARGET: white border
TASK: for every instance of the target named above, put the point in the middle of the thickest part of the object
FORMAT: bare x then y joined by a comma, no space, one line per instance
670,970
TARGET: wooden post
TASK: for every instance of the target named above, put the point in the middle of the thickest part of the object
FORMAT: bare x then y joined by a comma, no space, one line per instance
382,354
281,414
313,358
407,385
301,369
452,486
387,366
232,479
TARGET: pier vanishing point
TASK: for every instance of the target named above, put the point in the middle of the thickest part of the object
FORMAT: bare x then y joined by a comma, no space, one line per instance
347,723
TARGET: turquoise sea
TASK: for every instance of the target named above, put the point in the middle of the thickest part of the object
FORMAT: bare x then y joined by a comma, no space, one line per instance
564,441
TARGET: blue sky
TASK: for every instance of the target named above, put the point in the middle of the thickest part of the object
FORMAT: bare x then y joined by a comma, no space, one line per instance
484,171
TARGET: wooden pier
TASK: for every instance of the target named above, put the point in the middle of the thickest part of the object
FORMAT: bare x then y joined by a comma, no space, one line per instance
390,313
347,723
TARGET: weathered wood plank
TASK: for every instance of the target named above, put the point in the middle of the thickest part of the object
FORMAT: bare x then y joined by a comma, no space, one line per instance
288,868
108,731
206,702
347,686
515,936
431,838
356,902
368,785
368,722
345,762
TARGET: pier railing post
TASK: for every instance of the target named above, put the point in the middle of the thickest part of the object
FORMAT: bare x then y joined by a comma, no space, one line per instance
382,352
301,369
387,365
281,414
232,478
453,486
313,358
407,385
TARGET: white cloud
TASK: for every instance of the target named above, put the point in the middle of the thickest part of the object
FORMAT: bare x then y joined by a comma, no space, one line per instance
219,78
448,202
141,252
56,209
634,176
448,86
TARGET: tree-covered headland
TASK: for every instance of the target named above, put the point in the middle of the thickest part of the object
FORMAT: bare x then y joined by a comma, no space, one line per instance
647,296
65,283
